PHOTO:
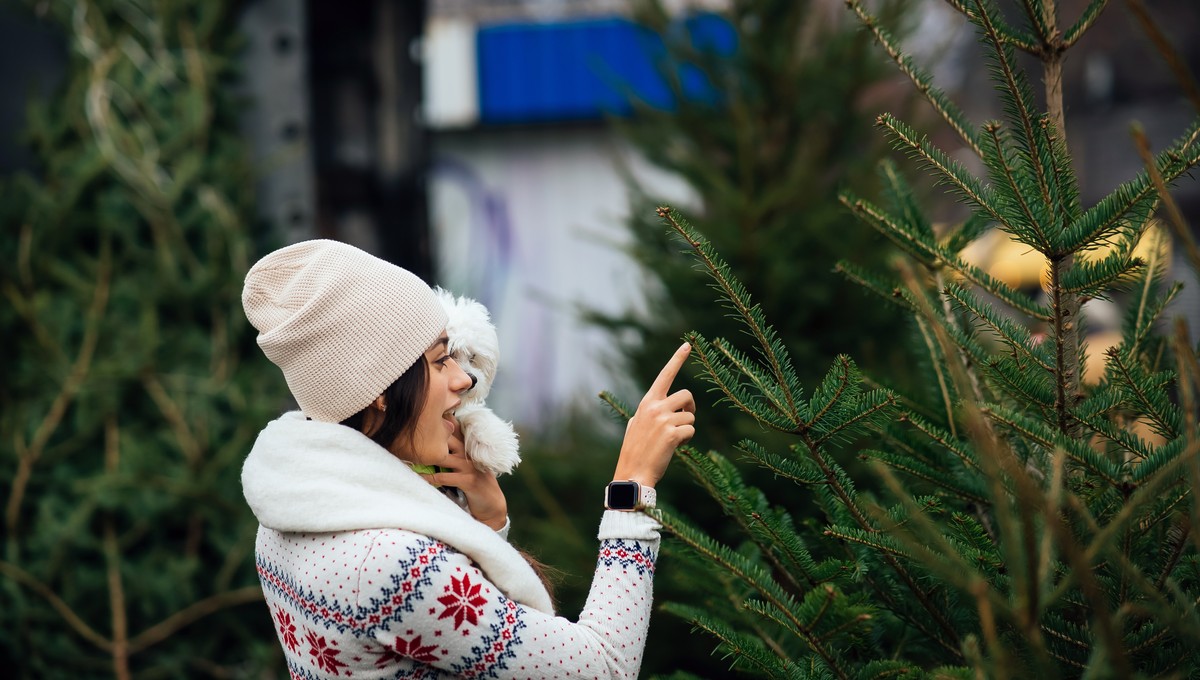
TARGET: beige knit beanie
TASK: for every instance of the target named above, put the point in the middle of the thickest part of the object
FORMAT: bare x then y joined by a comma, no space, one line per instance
340,323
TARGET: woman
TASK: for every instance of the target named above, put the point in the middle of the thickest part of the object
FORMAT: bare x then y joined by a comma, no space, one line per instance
368,569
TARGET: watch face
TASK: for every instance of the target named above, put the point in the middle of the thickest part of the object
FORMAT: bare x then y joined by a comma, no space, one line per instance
622,495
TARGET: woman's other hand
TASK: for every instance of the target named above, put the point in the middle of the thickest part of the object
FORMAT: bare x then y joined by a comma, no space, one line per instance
663,421
485,500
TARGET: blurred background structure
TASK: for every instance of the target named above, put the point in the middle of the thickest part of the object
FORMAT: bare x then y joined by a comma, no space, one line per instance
484,144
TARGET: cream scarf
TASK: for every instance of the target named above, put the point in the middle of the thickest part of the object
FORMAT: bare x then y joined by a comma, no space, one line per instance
307,476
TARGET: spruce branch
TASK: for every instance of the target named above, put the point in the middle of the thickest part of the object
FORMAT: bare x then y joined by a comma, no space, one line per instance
742,647
869,408
1078,451
952,172
942,104
1165,417
1130,444
1018,101
1134,198
924,472
1036,12
719,373
723,484
1157,460
900,195
934,255
1013,334
1020,40
971,229
619,407
1178,539
775,398
842,493
877,542
1087,279
753,576
1088,17
1175,216
891,293
944,439
192,613
1002,165
1147,307
778,538
829,393
793,469
937,361
172,412
735,296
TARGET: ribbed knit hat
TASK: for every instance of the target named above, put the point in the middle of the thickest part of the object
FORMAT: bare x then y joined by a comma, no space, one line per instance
340,323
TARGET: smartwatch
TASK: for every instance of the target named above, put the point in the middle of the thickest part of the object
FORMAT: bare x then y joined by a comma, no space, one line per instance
628,495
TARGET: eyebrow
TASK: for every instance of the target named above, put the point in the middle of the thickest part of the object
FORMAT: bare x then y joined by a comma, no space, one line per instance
445,341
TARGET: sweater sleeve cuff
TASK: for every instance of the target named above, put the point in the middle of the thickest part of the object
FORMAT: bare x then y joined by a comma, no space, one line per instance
503,531
635,525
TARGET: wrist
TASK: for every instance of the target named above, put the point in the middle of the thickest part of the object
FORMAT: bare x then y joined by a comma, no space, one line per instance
495,522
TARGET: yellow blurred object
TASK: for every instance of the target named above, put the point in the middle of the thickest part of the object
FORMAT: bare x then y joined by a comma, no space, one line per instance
1020,266
1097,345
1004,258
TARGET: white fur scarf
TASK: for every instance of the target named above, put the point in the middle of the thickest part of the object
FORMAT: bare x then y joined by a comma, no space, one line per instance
308,476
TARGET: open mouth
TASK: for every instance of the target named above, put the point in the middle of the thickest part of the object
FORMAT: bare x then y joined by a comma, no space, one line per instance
450,420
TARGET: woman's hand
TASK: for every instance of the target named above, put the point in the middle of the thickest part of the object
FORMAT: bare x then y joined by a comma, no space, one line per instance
662,422
485,500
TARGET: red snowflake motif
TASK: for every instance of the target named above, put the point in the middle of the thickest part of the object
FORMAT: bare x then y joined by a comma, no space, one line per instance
415,650
324,655
407,649
287,629
464,602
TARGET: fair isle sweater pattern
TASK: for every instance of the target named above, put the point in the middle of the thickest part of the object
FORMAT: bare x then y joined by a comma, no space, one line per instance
419,609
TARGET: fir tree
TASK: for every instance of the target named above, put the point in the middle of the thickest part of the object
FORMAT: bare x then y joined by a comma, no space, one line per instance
1027,523
132,386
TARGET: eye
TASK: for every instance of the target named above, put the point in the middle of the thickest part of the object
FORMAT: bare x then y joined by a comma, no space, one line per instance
442,361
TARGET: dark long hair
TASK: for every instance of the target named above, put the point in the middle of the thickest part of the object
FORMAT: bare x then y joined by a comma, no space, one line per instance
403,400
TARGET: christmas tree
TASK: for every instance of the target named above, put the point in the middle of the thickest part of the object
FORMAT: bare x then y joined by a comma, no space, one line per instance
1018,517
132,386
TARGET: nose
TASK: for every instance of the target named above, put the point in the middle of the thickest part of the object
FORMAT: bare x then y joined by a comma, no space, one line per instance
474,381
463,381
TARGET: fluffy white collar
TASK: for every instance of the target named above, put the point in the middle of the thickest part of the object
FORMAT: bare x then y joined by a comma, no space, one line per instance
308,476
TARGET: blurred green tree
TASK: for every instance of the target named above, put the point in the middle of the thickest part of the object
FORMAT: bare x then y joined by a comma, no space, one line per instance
132,386
1018,520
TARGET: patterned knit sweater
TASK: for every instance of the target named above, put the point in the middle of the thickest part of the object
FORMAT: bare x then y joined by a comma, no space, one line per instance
370,572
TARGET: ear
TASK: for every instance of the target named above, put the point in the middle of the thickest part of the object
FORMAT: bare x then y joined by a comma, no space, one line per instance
379,404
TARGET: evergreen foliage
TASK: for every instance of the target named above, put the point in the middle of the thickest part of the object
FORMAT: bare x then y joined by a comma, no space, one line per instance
1017,521
765,157
132,386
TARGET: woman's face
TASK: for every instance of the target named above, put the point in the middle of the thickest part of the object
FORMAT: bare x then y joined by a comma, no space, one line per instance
435,422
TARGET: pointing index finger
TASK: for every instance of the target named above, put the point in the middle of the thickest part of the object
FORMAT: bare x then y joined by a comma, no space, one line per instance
662,384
